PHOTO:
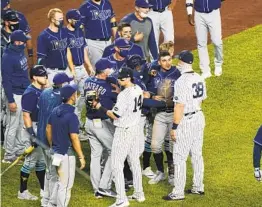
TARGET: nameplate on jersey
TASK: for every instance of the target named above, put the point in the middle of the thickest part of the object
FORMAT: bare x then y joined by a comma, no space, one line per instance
57,159
97,123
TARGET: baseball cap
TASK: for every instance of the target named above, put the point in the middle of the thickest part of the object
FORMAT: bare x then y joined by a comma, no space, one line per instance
4,3
73,14
125,72
122,43
103,64
143,4
61,78
19,35
67,91
186,56
10,15
38,70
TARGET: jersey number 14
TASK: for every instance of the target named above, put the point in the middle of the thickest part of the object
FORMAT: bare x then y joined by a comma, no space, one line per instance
138,103
198,90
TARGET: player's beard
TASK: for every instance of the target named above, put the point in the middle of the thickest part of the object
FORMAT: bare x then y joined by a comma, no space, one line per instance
143,15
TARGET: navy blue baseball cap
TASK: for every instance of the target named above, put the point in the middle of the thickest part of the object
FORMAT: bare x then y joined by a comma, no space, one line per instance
122,43
19,35
10,15
125,72
143,4
103,64
61,78
185,56
38,70
67,91
73,14
4,3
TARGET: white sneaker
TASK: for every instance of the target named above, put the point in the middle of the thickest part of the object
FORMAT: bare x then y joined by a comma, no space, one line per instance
138,197
148,173
218,71
41,193
159,176
206,75
119,203
26,195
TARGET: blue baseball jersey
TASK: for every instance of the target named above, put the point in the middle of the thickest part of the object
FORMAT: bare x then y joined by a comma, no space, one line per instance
76,44
48,100
64,122
119,65
52,47
97,19
159,4
106,96
14,71
30,101
258,137
206,6
134,50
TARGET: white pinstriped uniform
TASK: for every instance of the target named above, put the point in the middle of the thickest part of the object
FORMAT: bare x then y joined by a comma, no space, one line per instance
190,90
126,139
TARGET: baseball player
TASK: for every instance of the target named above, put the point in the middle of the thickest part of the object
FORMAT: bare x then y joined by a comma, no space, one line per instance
35,159
124,31
48,100
100,25
207,18
162,19
52,47
257,154
15,80
99,127
143,30
62,135
161,86
126,114
188,128
22,25
77,46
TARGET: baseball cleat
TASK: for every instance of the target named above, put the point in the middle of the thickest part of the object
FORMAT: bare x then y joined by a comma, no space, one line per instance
148,173
26,195
98,195
6,161
258,174
107,192
129,183
206,75
173,197
218,71
159,177
139,198
120,204
195,192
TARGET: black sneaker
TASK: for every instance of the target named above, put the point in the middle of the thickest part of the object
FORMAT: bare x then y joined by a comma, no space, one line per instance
107,192
195,192
98,195
172,197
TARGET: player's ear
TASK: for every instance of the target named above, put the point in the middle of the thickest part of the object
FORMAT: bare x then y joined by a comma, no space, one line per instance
136,8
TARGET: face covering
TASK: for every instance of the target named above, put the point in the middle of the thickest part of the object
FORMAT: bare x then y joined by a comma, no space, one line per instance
123,53
13,27
77,24
18,48
61,24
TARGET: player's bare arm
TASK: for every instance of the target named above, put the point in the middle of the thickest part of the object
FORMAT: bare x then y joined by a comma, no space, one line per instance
109,113
70,62
89,68
113,27
49,134
77,147
27,119
189,9
172,5
178,115
29,46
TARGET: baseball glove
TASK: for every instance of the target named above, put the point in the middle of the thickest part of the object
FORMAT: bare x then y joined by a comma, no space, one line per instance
135,62
90,98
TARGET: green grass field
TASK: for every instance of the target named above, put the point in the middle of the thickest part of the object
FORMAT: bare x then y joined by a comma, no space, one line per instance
233,114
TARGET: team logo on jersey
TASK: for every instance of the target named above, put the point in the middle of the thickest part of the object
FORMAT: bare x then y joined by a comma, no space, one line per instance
23,63
115,109
76,42
101,15
176,98
59,44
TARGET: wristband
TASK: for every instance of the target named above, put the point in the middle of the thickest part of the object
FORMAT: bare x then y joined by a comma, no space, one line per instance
30,52
113,24
102,109
174,127
30,130
189,10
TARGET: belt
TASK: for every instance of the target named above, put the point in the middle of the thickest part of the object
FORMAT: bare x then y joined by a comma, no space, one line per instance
77,65
191,113
98,118
159,10
101,39
167,110
57,68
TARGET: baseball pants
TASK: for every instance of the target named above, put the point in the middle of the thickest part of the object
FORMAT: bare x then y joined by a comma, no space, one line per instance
96,49
189,141
51,182
163,22
100,139
14,142
204,23
52,72
81,76
126,145
142,137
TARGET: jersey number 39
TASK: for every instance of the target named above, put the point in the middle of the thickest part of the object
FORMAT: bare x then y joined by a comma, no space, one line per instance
138,103
198,90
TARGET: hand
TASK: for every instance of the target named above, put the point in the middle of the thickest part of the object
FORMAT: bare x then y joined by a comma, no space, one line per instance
96,104
158,98
82,162
91,70
117,89
12,107
190,20
257,174
146,94
173,135
138,36
153,72
171,5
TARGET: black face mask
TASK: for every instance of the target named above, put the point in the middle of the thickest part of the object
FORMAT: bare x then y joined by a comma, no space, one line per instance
97,0
13,27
